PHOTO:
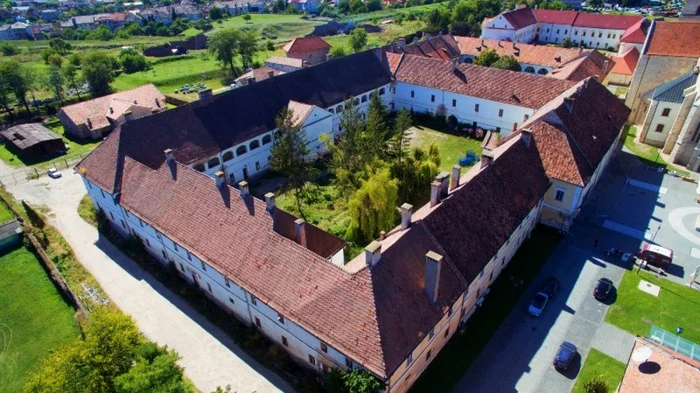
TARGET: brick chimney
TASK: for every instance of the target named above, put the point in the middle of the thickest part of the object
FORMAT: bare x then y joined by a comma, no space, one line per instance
128,115
243,187
402,43
270,202
526,136
456,174
444,179
169,156
434,193
433,265
373,253
220,179
300,230
486,159
406,211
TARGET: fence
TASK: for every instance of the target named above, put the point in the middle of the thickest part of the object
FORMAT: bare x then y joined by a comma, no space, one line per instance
674,342
39,170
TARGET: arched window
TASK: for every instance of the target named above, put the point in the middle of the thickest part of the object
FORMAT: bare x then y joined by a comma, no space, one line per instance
364,98
529,69
241,150
355,101
331,110
267,139
382,91
254,145
339,108
543,71
214,162
228,156
199,167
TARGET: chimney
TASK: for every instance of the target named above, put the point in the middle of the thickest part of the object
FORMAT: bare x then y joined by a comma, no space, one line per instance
434,193
526,136
204,93
453,65
499,44
111,110
444,179
220,179
128,115
270,202
402,43
606,63
382,235
406,211
300,229
486,159
89,124
157,103
569,103
433,264
243,187
373,253
169,155
456,174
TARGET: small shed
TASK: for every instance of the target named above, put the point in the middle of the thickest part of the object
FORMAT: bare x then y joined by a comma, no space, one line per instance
33,141
10,234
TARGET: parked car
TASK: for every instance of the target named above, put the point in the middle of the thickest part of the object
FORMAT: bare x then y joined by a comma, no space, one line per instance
549,288
602,289
565,355
54,173
656,255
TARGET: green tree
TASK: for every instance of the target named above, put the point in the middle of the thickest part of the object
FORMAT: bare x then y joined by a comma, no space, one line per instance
507,62
70,73
17,80
5,93
437,20
374,5
98,70
400,142
55,81
247,17
567,43
595,384
358,39
101,33
337,52
8,49
132,61
372,208
247,47
361,381
358,7
216,13
157,375
349,155
415,172
57,44
289,154
594,3
377,126
223,44
486,58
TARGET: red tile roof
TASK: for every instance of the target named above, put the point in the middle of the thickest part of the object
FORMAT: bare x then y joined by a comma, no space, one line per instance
508,87
626,63
589,64
549,56
306,44
637,33
394,59
522,17
556,17
606,21
443,47
674,39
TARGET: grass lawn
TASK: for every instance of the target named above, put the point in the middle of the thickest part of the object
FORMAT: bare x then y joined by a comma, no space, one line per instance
456,357
452,147
648,154
390,13
5,213
34,319
275,27
600,364
635,311
389,33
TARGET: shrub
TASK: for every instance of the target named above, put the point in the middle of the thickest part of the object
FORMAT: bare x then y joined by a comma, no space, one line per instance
595,384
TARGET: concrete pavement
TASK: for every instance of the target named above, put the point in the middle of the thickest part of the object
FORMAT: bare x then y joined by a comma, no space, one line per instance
209,356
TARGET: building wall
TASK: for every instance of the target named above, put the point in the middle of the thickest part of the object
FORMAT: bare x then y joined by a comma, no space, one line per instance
559,213
656,118
312,57
596,38
463,107
553,33
617,79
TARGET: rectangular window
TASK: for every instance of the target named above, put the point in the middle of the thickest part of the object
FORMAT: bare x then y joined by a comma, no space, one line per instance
324,347
257,165
204,267
280,318
165,256
432,98
159,236
182,267
141,222
454,103
230,300
175,246
476,107
312,360
559,195
111,215
257,322
189,258
666,112
500,113
209,288
659,128
413,93
228,283
348,362
427,355
284,341
253,300
147,242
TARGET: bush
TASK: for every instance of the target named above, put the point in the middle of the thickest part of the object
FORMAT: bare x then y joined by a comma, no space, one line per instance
595,385
270,45
8,49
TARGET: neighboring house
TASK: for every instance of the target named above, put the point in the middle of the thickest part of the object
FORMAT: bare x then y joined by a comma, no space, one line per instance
232,7
621,73
313,50
284,64
49,15
256,75
33,141
635,37
158,14
187,11
112,21
593,30
10,234
588,64
17,31
441,46
671,50
96,118
309,6
287,277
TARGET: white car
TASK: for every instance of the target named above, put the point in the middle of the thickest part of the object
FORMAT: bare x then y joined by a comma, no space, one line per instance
54,173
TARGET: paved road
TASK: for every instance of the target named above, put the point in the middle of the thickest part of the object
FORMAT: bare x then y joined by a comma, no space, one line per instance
209,356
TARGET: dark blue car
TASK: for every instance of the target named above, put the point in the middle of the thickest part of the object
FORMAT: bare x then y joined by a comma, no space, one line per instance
566,353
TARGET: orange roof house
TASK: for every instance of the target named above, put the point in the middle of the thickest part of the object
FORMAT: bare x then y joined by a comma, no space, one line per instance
310,49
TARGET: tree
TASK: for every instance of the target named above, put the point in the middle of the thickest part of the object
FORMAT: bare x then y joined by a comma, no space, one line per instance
567,43
377,125
223,44
17,81
358,39
344,6
160,374
5,93
486,58
594,3
132,61
507,62
349,155
70,72
280,5
461,28
361,381
372,208
374,5
437,20
289,154
55,81
415,172
101,33
595,384
57,44
247,17
8,49
98,70
247,46
399,144
337,51
216,13
358,7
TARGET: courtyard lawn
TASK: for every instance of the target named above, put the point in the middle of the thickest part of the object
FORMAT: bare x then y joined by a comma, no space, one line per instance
600,364
635,311
648,154
34,319
455,358
452,147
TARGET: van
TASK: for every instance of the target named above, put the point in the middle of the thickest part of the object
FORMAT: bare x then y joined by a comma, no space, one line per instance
656,255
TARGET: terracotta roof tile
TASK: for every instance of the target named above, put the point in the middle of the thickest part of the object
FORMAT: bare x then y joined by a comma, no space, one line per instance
306,44
606,21
637,33
589,64
674,39
549,56
522,17
509,87
556,17
626,63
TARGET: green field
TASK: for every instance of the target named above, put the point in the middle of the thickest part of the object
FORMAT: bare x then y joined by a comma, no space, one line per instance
390,13
600,364
452,147
275,27
34,319
635,311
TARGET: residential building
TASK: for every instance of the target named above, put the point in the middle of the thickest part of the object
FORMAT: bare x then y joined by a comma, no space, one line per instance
313,50
284,64
256,75
307,6
525,25
96,118
441,46
16,31
635,37
33,141
232,7
625,64
49,15
157,14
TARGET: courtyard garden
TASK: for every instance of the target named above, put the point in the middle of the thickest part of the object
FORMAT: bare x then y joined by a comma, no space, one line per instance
636,311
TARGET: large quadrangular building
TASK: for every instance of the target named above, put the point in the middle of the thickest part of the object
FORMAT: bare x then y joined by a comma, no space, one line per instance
167,179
